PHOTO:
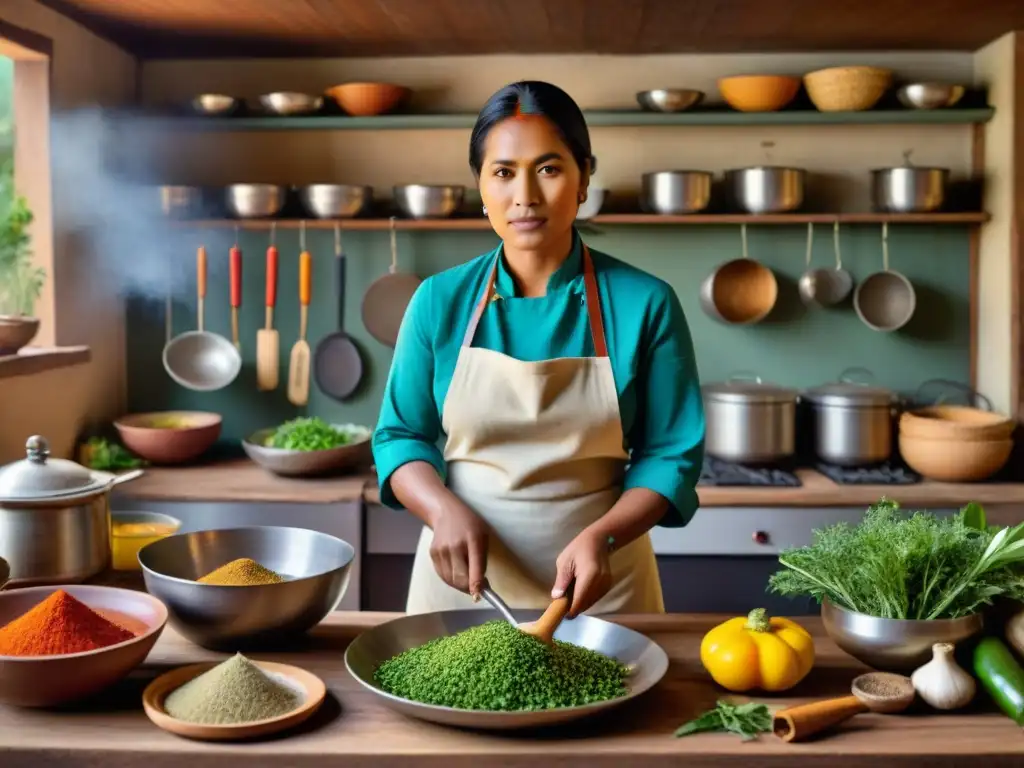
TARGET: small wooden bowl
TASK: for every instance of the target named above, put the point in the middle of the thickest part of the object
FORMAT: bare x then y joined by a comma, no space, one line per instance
758,93
956,422
368,99
153,703
954,461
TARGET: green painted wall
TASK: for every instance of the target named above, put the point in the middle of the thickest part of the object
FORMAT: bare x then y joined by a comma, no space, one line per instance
795,346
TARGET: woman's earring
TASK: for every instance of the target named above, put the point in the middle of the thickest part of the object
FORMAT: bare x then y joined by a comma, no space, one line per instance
485,210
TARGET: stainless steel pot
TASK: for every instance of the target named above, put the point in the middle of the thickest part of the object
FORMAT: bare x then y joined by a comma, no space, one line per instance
766,188
908,188
675,192
749,422
853,422
54,518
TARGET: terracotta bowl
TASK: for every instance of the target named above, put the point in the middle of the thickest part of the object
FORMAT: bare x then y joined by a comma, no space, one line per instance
758,93
954,460
169,437
47,681
366,99
956,422
16,332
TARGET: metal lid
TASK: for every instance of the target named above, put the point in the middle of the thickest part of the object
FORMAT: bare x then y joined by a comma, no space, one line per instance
741,390
850,395
40,477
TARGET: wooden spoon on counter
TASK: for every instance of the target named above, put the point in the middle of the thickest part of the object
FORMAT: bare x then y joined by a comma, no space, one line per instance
268,347
882,692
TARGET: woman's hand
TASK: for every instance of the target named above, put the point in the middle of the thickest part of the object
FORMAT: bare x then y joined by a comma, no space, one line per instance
459,548
585,559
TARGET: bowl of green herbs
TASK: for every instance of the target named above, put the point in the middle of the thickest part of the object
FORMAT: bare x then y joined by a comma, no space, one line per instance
898,582
309,447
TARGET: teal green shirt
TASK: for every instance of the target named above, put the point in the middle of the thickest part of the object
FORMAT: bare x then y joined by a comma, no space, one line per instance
648,342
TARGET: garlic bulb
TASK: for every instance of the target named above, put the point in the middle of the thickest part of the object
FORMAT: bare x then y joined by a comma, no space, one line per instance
1015,631
941,682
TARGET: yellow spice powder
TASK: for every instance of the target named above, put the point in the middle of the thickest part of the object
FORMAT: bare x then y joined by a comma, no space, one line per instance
243,572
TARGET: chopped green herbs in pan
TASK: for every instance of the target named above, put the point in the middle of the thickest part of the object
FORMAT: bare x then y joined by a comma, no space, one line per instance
495,667
895,565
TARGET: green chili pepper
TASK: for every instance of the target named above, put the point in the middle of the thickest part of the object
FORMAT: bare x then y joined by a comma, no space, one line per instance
1002,676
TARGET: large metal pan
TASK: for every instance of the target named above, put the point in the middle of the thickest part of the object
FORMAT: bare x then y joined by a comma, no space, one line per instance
385,301
741,291
337,361
647,659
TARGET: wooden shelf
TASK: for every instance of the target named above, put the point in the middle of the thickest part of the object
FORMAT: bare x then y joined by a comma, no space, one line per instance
610,219
595,119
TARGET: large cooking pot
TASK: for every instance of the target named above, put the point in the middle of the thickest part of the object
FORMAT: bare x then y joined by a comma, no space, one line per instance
676,192
908,188
54,518
853,422
748,421
766,188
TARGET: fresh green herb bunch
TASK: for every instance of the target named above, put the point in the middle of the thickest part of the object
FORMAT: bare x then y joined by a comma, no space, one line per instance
308,434
745,720
496,667
898,566
21,282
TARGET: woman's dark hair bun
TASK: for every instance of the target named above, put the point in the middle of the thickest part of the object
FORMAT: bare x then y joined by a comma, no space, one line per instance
534,97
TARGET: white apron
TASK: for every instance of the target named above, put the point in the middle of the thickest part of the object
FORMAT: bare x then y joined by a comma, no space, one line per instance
536,449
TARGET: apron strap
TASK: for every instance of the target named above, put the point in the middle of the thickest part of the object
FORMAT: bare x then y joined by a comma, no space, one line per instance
593,305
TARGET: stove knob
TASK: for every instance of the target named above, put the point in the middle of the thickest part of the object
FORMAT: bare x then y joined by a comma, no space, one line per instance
760,537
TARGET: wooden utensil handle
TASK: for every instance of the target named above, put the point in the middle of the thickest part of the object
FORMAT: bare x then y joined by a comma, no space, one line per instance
806,720
236,277
305,277
271,276
201,272
553,615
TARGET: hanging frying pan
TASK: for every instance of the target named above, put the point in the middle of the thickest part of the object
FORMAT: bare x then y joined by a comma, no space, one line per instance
337,364
387,297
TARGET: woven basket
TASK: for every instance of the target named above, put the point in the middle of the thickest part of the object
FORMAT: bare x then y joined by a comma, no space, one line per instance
847,89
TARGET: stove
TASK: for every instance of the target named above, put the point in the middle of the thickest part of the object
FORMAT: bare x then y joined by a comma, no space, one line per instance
887,473
723,473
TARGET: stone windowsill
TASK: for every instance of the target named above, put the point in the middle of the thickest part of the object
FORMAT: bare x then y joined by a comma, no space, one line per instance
32,360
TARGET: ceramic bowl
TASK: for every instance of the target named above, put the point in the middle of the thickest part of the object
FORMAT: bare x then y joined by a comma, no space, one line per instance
169,437
287,463
46,681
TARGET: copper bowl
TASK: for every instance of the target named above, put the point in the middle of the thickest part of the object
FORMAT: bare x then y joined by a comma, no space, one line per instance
169,437
367,99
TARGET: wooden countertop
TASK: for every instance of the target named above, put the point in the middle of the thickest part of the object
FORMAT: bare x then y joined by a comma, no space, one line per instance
354,729
242,480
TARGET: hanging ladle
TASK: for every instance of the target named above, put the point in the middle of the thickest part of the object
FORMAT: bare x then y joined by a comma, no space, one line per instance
824,287
200,360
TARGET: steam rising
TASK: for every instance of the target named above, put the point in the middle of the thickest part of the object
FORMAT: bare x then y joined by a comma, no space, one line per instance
107,204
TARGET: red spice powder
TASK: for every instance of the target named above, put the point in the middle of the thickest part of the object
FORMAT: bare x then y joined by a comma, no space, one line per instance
58,625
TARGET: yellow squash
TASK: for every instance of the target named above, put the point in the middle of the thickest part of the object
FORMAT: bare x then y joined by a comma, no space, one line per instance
757,652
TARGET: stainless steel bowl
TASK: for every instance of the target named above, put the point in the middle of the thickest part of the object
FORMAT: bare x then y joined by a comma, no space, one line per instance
908,189
766,188
426,201
893,645
291,103
215,104
675,192
669,99
316,566
255,201
310,463
929,95
335,201
648,660
180,202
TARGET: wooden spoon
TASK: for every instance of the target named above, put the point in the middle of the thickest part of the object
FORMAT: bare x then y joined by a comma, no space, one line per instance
235,271
882,692
267,340
545,627
298,375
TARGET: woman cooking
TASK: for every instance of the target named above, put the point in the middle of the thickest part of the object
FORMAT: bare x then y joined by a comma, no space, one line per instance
564,381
